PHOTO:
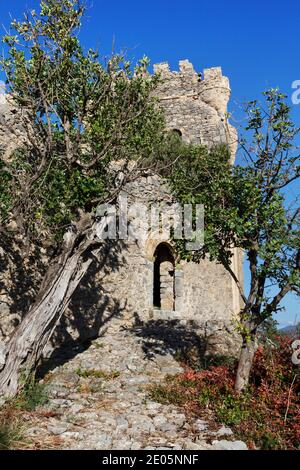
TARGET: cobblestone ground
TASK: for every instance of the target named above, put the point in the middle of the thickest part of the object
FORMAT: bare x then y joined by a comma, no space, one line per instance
99,400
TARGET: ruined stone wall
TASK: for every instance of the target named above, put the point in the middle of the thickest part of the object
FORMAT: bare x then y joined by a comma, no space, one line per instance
121,282
204,295
196,105
11,132
123,286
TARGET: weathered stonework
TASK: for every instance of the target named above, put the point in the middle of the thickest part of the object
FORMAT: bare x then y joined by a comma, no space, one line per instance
196,106
11,133
200,297
204,298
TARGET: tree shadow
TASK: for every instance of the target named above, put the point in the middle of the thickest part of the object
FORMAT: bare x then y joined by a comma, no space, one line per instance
162,337
90,309
91,306
20,279
181,340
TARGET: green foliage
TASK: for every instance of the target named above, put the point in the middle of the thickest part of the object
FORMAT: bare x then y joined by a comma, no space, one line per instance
10,431
233,409
166,395
32,395
5,192
245,205
98,374
202,176
78,114
269,328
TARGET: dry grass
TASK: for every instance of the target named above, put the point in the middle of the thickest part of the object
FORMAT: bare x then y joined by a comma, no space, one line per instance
17,415
12,429
97,374
48,442
14,424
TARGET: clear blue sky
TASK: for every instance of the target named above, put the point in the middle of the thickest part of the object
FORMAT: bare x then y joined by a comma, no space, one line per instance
255,42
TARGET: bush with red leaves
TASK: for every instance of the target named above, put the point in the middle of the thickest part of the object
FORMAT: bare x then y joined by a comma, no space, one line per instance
266,415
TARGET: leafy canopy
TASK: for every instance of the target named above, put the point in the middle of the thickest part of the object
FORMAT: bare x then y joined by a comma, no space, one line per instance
78,113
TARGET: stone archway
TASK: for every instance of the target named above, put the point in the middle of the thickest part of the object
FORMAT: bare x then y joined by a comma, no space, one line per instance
177,133
164,277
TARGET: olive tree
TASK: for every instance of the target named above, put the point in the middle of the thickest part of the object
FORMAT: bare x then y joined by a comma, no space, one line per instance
77,114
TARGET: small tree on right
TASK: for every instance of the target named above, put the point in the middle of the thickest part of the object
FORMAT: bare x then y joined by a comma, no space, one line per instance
249,206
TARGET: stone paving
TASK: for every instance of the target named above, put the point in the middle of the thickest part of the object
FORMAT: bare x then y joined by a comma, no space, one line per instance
100,400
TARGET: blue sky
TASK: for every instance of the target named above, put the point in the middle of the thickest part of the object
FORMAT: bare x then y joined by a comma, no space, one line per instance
255,42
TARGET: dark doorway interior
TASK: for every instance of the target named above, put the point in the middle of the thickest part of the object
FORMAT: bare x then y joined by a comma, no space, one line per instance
177,133
163,282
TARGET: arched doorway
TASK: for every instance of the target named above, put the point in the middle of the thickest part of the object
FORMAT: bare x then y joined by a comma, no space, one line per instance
177,133
164,275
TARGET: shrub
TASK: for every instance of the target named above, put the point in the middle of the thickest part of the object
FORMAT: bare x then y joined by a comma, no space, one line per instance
97,374
15,412
32,395
11,431
266,415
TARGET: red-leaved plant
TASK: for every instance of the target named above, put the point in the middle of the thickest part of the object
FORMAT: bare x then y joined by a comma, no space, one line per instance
266,415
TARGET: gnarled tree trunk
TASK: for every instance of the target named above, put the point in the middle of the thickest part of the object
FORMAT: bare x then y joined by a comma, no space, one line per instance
30,338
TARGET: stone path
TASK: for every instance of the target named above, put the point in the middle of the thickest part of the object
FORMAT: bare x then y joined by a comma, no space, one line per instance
99,400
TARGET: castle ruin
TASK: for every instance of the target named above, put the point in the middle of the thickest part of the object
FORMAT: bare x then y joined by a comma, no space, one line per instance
146,280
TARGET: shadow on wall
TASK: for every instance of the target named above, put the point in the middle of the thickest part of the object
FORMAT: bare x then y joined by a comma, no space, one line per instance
162,337
20,278
91,307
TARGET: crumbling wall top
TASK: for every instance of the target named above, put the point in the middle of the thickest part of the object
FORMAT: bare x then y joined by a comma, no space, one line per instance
186,68
212,73
161,68
195,104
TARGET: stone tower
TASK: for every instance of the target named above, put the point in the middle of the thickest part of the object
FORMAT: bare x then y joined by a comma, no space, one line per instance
196,107
145,280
